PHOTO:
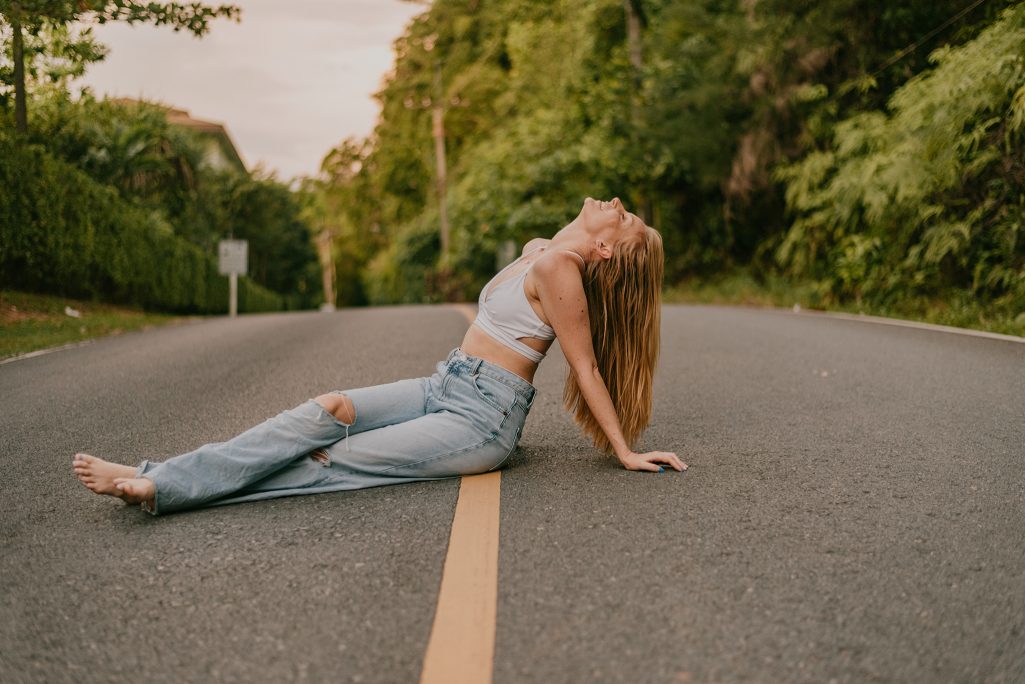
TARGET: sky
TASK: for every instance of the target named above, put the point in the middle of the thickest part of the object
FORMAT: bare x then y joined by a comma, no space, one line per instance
289,82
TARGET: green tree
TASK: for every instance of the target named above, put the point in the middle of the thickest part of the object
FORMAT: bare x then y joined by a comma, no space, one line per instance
128,145
736,88
925,197
51,57
34,16
686,108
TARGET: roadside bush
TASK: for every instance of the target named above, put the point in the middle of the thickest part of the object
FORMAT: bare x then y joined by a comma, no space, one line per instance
63,233
924,199
400,273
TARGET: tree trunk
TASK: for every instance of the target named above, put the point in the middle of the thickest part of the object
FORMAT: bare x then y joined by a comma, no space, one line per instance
18,48
633,38
438,130
636,54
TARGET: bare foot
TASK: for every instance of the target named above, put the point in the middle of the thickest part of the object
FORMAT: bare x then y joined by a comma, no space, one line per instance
112,479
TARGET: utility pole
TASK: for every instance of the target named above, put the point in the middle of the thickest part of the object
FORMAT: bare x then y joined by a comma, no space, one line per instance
437,104
438,130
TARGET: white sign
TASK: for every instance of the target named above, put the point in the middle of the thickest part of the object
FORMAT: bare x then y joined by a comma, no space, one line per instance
234,256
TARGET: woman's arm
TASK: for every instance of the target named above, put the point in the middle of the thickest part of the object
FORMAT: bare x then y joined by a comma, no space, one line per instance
561,291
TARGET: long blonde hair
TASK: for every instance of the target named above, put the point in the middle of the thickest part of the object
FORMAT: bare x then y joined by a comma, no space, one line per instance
624,296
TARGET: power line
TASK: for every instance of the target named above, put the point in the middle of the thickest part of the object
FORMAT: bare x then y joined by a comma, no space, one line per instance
840,92
918,43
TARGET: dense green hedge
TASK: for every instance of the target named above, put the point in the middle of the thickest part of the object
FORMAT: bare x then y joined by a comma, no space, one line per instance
63,233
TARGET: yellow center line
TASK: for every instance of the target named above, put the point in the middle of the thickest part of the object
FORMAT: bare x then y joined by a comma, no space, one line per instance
462,644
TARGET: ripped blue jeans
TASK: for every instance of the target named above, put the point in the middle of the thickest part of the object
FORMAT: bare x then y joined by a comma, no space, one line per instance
464,419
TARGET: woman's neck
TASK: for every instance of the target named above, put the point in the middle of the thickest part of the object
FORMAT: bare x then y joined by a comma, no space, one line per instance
572,238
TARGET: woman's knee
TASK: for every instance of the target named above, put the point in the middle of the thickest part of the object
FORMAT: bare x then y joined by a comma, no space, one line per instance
338,405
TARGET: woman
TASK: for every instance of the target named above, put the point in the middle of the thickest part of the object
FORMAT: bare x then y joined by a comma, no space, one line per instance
595,286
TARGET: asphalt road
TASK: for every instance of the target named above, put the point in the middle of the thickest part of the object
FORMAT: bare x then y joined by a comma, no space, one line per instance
854,512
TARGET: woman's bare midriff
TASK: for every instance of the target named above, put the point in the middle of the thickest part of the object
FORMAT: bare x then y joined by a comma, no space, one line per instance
478,343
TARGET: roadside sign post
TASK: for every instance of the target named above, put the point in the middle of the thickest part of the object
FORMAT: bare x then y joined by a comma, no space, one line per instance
233,258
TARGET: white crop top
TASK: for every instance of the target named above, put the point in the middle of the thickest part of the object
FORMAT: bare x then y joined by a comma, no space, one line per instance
505,314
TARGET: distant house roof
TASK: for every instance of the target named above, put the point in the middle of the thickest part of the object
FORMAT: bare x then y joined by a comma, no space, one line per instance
222,154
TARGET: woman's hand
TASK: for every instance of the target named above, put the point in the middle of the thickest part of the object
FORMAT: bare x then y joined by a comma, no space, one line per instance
651,460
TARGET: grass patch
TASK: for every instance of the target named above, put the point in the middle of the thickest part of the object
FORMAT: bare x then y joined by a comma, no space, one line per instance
740,287
29,322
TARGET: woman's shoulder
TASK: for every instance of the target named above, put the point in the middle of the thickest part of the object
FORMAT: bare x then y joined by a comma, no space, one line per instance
534,244
554,264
